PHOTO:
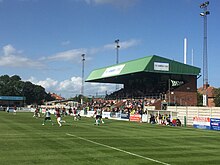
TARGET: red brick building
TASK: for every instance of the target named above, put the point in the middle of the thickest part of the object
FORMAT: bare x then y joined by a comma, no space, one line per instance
209,90
56,97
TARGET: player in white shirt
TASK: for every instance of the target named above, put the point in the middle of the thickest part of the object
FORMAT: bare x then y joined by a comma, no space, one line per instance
98,117
47,117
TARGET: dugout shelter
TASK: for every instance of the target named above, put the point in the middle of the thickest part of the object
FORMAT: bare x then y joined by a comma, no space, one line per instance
10,101
170,81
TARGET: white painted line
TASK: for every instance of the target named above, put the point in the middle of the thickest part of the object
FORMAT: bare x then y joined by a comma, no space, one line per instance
117,149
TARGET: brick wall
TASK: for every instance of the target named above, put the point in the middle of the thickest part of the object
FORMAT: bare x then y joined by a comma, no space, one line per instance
183,98
185,94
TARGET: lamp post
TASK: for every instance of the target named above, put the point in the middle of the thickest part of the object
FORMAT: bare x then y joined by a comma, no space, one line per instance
117,50
169,92
205,57
117,54
82,87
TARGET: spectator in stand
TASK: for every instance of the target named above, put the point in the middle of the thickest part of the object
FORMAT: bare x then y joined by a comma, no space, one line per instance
163,120
156,118
174,122
152,119
168,122
178,122
160,118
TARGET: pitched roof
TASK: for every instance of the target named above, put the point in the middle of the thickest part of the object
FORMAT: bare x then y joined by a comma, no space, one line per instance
210,91
57,97
153,64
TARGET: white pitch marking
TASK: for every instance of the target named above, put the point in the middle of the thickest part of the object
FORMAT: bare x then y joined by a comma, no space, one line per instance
117,149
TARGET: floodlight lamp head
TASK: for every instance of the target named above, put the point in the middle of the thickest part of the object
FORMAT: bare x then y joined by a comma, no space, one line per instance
116,41
202,14
83,57
202,5
207,13
205,4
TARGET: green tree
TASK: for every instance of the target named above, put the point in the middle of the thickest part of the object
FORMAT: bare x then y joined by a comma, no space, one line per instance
49,97
15,78
199,99
34,94
217,97
4,85
13,86
77,98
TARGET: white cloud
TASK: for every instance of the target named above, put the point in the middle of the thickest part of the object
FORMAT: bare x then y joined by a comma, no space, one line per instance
75,54
66,88
9,50
48,83
13,58
129,43
67,55
71,87
123,44
32,79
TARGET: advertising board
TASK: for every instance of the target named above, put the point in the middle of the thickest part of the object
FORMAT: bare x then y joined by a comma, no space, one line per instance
215,124
124,116
135,117
201,122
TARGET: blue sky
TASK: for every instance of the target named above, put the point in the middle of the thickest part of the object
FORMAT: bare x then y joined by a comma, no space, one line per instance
42,40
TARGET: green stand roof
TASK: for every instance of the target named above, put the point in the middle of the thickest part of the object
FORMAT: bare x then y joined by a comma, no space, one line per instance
150,64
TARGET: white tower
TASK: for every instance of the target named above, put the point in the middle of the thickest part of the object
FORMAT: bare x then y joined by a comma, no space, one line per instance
185,50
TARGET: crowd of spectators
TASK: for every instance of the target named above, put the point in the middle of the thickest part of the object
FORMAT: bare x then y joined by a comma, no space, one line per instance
117,105
164,119
134,93
131,107
124,107
125,103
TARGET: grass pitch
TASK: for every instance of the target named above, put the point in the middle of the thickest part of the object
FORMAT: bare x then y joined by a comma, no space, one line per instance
23,140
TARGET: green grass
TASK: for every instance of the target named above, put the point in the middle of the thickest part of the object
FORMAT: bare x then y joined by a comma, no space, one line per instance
23,140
